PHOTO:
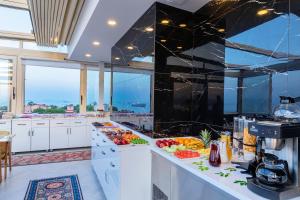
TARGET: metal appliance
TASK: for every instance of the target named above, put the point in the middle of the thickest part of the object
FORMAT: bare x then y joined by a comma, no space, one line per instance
278,174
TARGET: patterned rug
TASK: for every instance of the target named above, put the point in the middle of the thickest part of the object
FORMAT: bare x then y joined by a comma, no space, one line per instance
51,157
59,188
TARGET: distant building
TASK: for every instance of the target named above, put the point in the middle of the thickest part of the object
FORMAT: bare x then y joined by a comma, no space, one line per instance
31,108
70,109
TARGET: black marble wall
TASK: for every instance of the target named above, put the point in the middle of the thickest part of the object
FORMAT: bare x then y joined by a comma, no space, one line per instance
229,58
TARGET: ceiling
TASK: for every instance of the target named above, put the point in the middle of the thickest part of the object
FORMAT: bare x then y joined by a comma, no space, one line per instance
92,24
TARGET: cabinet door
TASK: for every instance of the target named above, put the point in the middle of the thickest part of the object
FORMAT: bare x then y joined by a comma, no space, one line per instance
40,138
21,140
59,137
77,136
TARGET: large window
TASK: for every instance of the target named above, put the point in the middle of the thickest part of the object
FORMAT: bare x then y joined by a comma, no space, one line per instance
107,86
131,92
51,90
6,81
92,95
15,20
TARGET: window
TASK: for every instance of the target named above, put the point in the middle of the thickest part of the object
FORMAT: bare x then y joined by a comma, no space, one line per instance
15,20
51,90
34,46
131,92
6,80
9,43
92,97
107,84
230,94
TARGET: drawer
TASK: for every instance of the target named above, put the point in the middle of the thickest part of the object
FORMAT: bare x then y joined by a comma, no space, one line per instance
40,123
20,123
59,123
78,122
5,125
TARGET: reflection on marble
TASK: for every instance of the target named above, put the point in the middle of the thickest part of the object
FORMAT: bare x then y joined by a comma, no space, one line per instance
228,58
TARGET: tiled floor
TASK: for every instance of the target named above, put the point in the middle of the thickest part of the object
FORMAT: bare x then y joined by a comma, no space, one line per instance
14,188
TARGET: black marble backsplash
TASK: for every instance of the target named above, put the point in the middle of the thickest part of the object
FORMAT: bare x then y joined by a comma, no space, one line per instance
229,58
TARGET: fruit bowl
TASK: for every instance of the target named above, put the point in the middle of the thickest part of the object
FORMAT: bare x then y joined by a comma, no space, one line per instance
186,154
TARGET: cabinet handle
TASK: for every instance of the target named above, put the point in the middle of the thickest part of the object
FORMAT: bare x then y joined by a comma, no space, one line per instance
112,150
103,153
93,138
98,134
97,145
32,132
60,123
67,131
21,124
29,133
40,123
112,164
104,141
2,123
77,122
70,131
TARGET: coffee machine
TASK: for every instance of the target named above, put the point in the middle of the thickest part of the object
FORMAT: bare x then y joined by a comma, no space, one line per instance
277,175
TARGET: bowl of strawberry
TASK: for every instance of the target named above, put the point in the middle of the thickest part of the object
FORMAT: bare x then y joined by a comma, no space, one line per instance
166,143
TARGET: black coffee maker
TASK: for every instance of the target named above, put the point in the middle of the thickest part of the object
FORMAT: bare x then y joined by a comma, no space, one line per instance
276,173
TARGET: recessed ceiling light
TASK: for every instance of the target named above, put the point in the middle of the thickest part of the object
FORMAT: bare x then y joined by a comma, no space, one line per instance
96,43
130,47
262,12
149,29
221,30
179,47
117,58
163,40
182,25
165,21
88,55
112,22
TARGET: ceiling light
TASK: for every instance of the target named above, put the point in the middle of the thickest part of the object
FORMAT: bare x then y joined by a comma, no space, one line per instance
117,58
96,43
88,55
221,30
163,40
149,29
111,22
182,25
165,21
179,47
130,47
262,12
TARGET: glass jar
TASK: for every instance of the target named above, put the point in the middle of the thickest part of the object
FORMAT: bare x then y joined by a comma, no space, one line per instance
214,156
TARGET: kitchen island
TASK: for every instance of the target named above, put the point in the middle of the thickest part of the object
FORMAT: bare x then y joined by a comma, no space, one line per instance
152,173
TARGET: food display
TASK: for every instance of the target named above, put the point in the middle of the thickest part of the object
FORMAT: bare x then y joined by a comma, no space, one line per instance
174,148
139,141
103,124
191,143
166,143
184,154
124,137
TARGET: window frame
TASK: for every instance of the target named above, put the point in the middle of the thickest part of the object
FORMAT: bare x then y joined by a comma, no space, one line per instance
13,92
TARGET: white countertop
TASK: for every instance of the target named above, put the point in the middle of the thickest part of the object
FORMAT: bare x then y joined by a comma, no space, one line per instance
224,183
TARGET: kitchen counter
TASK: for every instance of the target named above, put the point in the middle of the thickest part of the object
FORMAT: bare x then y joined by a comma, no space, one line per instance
225,184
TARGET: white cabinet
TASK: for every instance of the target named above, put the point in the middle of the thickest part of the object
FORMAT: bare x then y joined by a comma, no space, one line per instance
22,133
77,136
68,133
5,125
30,135
59,137
40,135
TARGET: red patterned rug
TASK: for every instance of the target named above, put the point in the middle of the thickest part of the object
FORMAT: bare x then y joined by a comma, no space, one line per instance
51,157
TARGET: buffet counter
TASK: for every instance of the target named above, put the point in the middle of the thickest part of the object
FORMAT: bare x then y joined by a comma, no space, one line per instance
149,172
196,179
